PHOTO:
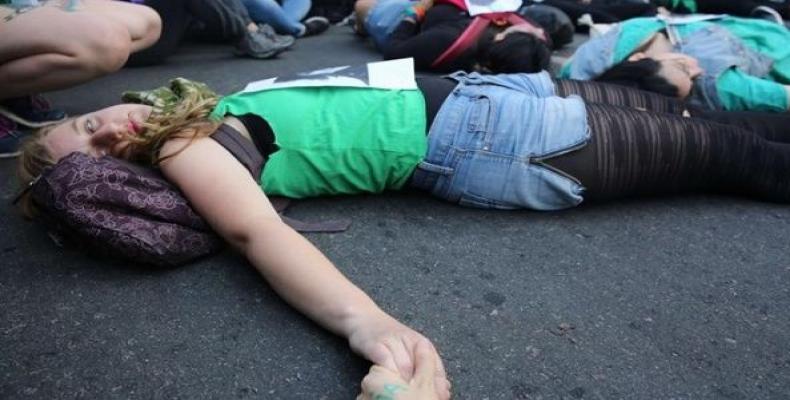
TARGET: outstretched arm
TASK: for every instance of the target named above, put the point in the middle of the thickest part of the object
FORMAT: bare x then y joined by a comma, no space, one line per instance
225,194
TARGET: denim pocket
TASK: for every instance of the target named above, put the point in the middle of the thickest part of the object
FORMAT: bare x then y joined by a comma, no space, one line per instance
485,180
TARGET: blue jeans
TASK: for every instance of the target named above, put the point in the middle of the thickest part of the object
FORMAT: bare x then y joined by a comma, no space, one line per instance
490,138
383,18
283,18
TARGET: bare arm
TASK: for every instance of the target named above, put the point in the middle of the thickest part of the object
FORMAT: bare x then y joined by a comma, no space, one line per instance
225,194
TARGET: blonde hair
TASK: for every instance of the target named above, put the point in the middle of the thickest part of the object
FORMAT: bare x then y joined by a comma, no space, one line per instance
189,118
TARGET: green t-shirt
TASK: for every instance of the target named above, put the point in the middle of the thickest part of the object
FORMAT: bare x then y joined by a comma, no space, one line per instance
336,140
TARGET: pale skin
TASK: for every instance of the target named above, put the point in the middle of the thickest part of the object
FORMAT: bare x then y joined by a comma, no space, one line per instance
252,226
384,384
677,68
49,48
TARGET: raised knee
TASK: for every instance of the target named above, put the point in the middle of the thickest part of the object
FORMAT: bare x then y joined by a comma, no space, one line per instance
106,50
151,27
153,21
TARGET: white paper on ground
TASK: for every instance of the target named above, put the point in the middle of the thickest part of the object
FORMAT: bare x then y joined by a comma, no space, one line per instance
390,74
477,7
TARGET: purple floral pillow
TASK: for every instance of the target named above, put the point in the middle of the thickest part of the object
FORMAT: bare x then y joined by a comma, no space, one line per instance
122,209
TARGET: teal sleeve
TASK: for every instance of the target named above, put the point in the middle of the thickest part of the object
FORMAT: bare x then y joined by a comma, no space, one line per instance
741,92
565,71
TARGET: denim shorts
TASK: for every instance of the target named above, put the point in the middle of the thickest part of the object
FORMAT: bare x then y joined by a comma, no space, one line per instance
383,18
490,138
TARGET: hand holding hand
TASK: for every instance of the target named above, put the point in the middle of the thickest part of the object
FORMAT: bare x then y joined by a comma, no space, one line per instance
393,346
383,383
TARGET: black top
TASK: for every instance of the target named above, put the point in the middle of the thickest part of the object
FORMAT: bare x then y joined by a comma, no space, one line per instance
443,24
261,133
435,90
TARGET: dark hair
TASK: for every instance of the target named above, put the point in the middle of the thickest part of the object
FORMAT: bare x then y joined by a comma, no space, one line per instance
554,21
641,74
517,52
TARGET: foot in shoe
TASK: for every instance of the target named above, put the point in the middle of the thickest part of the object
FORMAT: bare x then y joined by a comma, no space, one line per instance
314,26
285,41
257,45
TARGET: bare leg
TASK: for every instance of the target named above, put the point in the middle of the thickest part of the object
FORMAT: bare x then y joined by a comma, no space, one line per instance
49,48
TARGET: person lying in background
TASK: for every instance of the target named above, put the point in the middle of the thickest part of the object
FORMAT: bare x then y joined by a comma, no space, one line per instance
713,62
444,37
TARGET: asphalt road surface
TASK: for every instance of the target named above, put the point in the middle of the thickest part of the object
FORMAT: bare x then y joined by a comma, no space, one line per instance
682,297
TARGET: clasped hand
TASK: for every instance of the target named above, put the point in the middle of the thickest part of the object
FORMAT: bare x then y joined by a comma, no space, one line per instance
407,365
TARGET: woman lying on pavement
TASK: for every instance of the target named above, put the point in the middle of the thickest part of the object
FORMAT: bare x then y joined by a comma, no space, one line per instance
426,31
715,62
497,141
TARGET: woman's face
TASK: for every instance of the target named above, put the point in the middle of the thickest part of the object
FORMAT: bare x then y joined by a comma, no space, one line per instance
103,132
680,70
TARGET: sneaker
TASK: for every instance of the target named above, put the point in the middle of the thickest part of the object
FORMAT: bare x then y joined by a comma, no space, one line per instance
314,26
31,111
285,41
767,13
356,26
257,45
10,138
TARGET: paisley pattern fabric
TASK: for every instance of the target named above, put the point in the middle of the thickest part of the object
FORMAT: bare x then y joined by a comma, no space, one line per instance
121,209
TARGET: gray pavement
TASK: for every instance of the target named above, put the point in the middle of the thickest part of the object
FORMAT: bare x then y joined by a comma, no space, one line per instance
671,298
